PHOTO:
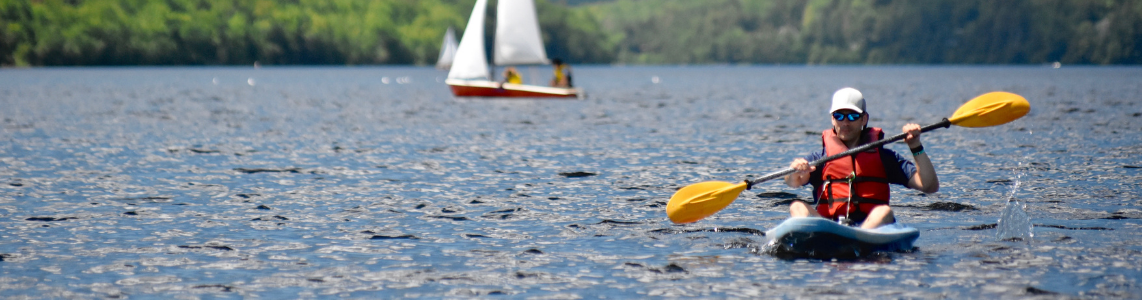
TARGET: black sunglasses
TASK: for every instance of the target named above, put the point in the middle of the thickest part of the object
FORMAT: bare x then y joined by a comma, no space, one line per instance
841,116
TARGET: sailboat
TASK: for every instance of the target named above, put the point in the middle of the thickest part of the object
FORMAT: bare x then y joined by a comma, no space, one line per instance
518,42
447,50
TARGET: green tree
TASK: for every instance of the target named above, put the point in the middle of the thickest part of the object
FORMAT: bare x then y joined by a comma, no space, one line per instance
146,32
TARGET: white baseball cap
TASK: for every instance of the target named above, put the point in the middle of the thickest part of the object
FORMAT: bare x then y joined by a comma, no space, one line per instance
848,98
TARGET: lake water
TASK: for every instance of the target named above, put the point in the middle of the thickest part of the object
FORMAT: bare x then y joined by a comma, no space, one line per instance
376,183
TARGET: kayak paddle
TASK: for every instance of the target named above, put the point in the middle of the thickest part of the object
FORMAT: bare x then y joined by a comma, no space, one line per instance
697,201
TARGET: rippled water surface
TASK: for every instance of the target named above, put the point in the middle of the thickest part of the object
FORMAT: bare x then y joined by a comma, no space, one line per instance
377,183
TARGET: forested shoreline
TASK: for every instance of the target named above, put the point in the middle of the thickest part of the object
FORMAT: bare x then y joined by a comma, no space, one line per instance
877,32
362,32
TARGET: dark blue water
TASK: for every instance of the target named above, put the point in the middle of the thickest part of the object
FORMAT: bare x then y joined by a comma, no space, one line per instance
377,183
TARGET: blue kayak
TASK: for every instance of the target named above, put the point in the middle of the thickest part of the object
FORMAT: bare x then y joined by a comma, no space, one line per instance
813,237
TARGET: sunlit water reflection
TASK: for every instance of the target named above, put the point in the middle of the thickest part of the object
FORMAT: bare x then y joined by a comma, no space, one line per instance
311,182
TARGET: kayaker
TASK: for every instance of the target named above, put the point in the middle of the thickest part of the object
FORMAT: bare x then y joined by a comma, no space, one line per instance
562,74
875,169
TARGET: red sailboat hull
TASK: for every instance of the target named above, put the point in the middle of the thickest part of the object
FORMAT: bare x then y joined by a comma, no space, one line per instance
484,88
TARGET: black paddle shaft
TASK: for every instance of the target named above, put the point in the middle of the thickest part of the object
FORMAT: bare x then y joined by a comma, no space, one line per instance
942,124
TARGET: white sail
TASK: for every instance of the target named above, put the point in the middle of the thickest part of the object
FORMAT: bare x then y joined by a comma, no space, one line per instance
470,61
447,50
518,41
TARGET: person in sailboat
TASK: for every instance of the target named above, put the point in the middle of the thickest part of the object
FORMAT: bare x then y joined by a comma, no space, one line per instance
562,74
511,76
855,189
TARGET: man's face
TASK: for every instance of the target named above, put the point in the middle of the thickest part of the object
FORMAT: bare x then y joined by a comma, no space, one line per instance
847,129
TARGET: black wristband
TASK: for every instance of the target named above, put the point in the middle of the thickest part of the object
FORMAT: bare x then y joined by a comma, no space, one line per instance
917,150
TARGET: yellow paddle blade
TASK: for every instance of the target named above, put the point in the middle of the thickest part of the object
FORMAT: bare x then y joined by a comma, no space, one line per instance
697,201
994,108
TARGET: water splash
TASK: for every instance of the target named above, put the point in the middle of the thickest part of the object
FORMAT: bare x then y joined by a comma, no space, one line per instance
1014,223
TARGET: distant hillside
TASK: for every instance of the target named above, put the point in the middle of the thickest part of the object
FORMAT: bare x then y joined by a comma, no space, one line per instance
353,32
874,32
197,32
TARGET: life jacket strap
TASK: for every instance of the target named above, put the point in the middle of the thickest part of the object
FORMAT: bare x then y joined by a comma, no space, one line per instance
856,200
857,179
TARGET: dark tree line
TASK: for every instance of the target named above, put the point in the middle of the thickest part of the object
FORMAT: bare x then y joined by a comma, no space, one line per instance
228,32
876,32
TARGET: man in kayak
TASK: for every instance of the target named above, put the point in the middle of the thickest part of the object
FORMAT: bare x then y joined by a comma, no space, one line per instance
860,194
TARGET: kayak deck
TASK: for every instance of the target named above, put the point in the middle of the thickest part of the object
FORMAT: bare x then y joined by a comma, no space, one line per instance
812,237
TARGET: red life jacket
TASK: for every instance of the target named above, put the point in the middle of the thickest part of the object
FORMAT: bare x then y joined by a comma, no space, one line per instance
870,181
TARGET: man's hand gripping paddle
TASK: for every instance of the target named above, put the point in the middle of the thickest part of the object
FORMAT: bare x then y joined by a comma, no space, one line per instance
700,200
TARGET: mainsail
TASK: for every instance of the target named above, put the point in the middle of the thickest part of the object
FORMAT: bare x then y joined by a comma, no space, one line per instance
518,41
471,61
447,50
